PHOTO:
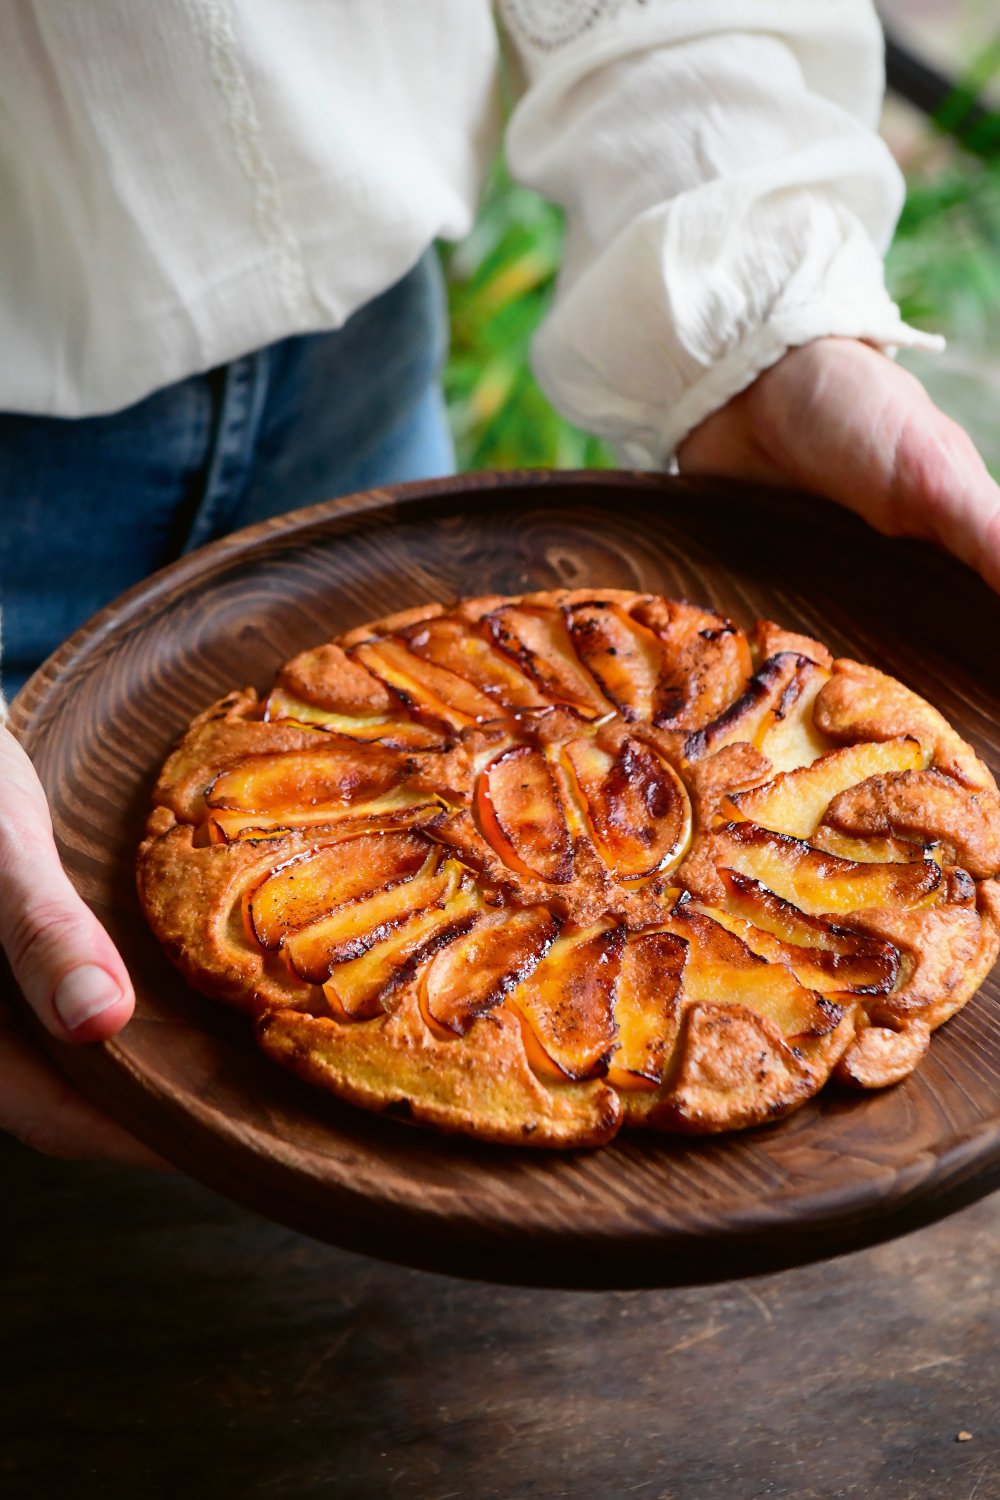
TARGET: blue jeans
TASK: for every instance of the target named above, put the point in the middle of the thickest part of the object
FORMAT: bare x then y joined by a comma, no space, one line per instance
92,505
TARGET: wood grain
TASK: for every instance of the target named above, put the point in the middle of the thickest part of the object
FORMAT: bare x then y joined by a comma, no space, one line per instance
100,716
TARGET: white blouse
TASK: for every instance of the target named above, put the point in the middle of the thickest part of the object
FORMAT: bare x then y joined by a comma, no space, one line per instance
185,181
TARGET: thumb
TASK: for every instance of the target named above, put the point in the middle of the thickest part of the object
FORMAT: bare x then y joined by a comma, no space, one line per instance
939,487
64,962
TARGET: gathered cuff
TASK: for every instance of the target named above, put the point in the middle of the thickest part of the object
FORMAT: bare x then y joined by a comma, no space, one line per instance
757,353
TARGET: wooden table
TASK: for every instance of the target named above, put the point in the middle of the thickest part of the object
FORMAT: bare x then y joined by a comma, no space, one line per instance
158,1341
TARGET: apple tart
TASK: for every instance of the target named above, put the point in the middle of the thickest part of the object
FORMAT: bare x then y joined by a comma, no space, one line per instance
536,868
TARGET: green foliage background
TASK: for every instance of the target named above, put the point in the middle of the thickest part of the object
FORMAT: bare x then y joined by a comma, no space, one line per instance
943,270
500,281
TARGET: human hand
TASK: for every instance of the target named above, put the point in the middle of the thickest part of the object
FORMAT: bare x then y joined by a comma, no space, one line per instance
68,970
840,419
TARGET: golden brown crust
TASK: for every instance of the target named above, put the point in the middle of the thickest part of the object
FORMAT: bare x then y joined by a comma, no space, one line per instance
880,1056
328,678
481,1084
684,907
735,1070
861,703
769,639
930,807
948,952
988,902
193,900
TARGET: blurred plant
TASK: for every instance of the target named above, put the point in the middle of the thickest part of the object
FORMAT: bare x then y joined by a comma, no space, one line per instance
500,281
944,265
943,269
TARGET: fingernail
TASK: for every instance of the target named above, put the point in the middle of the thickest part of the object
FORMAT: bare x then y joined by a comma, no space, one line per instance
83,994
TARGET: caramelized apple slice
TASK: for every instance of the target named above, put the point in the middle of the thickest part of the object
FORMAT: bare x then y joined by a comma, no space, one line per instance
925,805
749,898
794,801
281,704
311,885
237,828
755,708
357,926
625,659
326,779
567,999
789,736
637,809
521,814
707,661
404,807
397,733
539,641
364,986
721,968
647,1007
460,648
816,968
427,687
474,974
821,954
817,882
882,851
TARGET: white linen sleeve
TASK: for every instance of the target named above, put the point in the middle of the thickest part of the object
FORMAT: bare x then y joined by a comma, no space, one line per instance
727,198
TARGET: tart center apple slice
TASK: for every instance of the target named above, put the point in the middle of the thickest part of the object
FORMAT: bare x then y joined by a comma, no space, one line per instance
567,999
819,883
638,812
521,814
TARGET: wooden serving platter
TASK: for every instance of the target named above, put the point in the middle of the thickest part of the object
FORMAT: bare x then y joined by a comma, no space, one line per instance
101,715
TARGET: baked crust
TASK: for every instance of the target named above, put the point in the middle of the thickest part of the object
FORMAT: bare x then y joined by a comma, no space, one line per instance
531,868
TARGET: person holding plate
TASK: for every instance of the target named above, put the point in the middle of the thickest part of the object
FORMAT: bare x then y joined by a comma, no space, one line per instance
220,302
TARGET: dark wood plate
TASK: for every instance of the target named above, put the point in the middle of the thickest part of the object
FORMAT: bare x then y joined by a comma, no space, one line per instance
101,715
